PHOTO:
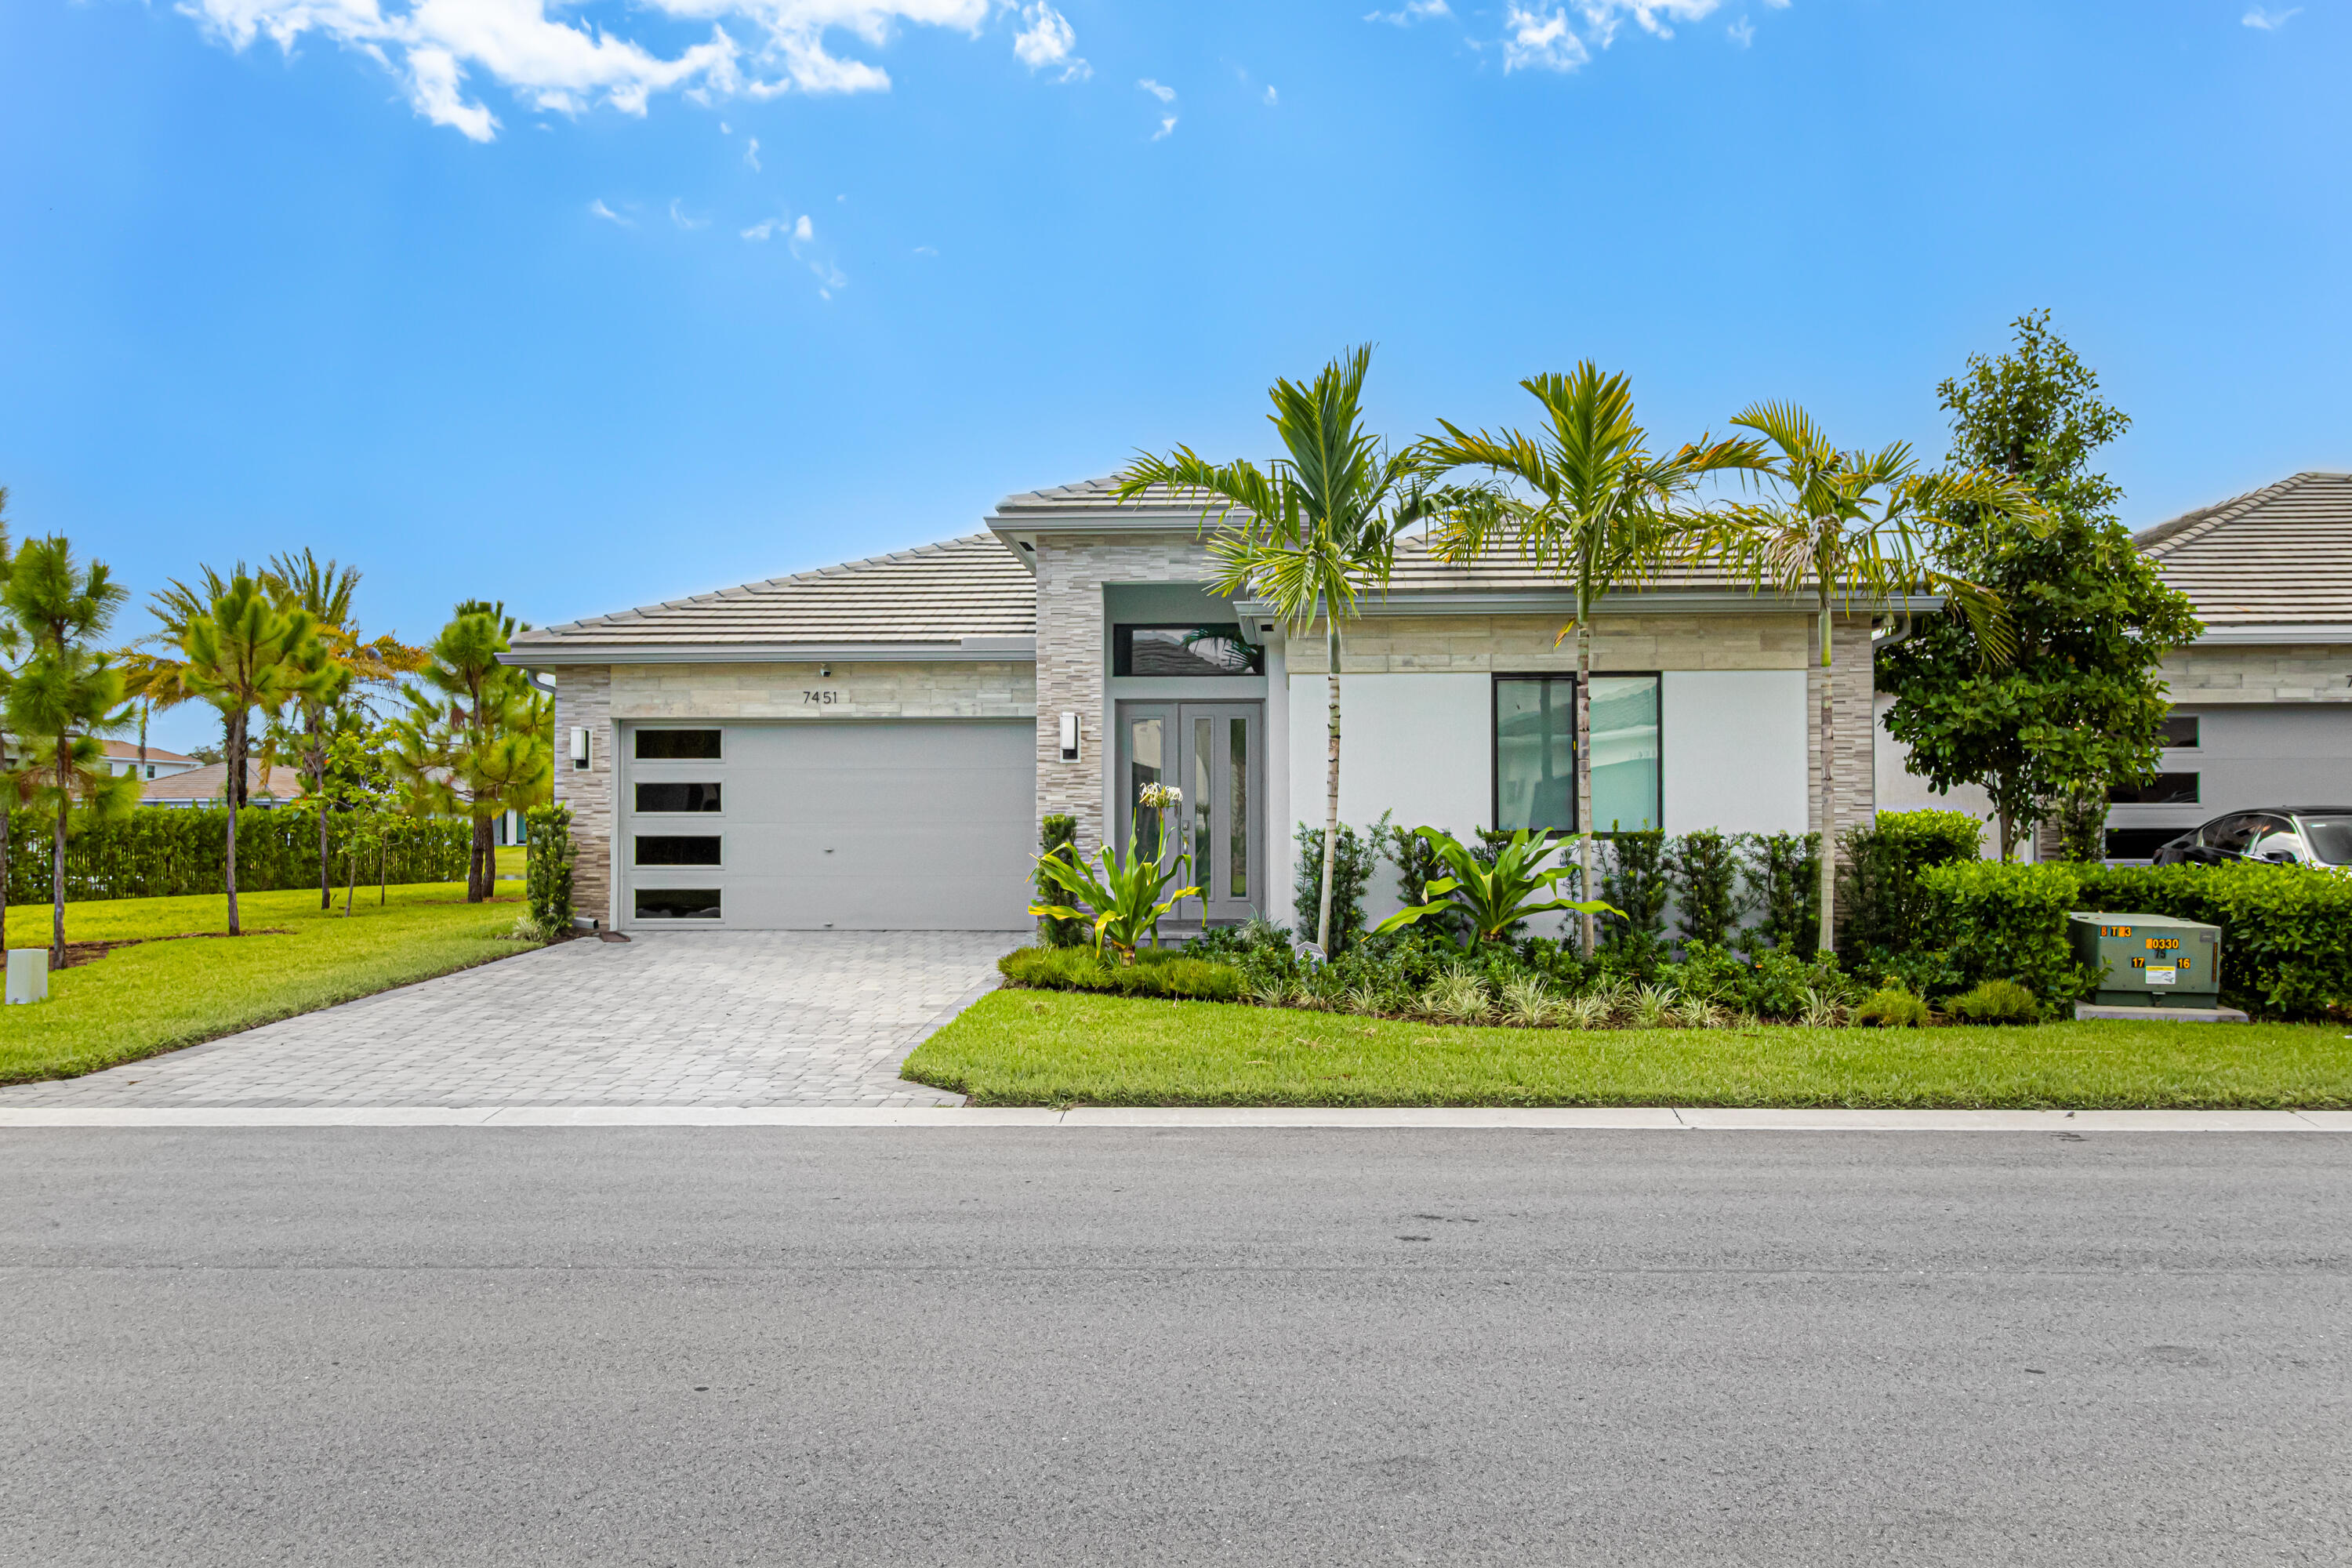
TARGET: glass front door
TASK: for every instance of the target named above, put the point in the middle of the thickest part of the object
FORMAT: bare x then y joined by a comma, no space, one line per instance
1213,753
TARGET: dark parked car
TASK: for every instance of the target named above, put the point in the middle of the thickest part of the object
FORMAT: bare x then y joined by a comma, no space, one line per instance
2278,834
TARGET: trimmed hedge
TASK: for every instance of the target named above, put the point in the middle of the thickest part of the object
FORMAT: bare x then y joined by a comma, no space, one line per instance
160,852
1155,973
1879,903
2287,932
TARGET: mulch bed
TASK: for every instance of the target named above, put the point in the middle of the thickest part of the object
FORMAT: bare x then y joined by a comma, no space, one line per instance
82,953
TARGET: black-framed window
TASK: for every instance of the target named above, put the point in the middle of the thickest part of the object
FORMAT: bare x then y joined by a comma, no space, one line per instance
678,903
1184,650
2180,729
678,745
676,797
1535,752
2164,789
678,850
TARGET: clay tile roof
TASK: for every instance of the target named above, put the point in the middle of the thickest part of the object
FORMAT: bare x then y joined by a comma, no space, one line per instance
2281,555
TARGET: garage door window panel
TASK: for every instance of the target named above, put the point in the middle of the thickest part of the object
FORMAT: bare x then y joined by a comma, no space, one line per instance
677,904
664,799
678,745
678,850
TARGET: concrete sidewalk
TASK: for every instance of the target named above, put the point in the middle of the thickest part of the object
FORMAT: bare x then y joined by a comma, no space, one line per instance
949,1118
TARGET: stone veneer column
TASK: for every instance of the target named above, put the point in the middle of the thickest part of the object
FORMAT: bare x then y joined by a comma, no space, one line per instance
583,699
1854,763
1071,572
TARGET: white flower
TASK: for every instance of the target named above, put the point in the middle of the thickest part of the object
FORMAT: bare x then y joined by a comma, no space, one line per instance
1159,797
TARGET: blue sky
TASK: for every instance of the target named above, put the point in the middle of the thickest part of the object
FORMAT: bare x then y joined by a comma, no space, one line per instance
498,298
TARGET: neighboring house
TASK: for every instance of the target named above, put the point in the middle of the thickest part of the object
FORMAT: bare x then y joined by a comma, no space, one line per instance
123,757
872,746
2261,702
205,785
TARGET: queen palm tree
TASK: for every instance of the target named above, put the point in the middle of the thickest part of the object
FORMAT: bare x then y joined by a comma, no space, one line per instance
1307,535
478,736
1587,500
1844,528
65,696
155,668
242,654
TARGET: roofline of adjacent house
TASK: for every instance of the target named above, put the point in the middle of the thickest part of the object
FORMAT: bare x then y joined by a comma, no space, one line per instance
2199,519
969,650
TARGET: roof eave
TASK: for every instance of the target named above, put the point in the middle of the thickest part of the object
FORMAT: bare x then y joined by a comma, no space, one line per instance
968,651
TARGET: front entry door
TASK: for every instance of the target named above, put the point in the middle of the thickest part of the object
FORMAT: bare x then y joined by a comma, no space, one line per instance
1213,753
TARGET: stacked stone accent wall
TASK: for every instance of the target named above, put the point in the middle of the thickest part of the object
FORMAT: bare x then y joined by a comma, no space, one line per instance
583,699
948,689
1853,764
2213,673
1071,665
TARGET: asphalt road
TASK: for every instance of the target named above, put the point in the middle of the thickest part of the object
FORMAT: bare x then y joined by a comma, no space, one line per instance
793,1346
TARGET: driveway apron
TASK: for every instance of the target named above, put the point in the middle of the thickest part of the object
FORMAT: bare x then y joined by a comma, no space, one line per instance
746,1018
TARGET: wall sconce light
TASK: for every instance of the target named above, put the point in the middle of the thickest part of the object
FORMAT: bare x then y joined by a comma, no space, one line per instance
1069,736
580,754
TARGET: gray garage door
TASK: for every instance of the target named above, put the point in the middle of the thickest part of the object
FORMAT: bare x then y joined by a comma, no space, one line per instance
846,826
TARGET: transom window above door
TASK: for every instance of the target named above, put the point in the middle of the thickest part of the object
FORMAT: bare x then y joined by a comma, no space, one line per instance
1199,650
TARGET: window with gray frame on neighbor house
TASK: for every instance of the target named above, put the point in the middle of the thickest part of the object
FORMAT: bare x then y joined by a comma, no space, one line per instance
1535,752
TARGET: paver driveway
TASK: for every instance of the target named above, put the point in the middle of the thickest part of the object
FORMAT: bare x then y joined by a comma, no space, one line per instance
709,1018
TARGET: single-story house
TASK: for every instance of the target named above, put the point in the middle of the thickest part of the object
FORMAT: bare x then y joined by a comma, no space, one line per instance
206,785
125,757
874,745
2261,702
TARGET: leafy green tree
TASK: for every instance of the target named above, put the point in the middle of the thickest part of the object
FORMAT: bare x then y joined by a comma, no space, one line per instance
1590,502
1310,533
2080,707
245,653
478,738
67,694
1848,530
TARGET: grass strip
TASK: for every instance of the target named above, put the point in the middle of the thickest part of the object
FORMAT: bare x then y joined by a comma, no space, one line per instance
159,995
1058,1049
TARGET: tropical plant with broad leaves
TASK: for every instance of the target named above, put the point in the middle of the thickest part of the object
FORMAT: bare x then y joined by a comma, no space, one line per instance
1854,532
1125,903
1584,498
1488,900
1310,533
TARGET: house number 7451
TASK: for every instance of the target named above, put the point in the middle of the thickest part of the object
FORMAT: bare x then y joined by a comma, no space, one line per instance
824,698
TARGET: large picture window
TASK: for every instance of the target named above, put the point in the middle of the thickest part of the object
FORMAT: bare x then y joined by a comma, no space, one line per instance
1535,752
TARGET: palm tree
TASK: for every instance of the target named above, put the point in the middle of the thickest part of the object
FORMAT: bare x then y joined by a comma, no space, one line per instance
1847,526
65,697
244,653
477,737
1590,502
11,648
1309,532
155,668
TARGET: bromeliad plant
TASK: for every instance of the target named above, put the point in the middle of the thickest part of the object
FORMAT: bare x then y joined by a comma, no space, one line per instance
1131,896
1491,899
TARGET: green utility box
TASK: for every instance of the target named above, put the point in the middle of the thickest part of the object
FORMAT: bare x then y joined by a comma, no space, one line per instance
2149,961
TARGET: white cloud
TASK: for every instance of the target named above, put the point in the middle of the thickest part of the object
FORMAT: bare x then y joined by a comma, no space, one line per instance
927,250
1654,16
1167,128
678,215
1743,32
2269,21
752,152
1047,40
1540,38
598,209
1164,94
1272,99
1411,11
443,51
804,230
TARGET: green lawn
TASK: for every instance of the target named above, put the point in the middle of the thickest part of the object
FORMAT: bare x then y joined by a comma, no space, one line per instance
138,1000
1056,1048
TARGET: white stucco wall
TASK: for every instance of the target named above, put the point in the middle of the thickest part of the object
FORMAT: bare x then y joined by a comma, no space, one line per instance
1733,745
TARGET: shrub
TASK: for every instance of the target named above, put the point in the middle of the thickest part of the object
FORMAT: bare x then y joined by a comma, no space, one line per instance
1419,864
1784,984
548,877
2007,921
1705,867
1164,973
160,852
1996,1002
1055,830
1878,885
1633,879
1784,882
1892,1008
1351,871
2286,930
